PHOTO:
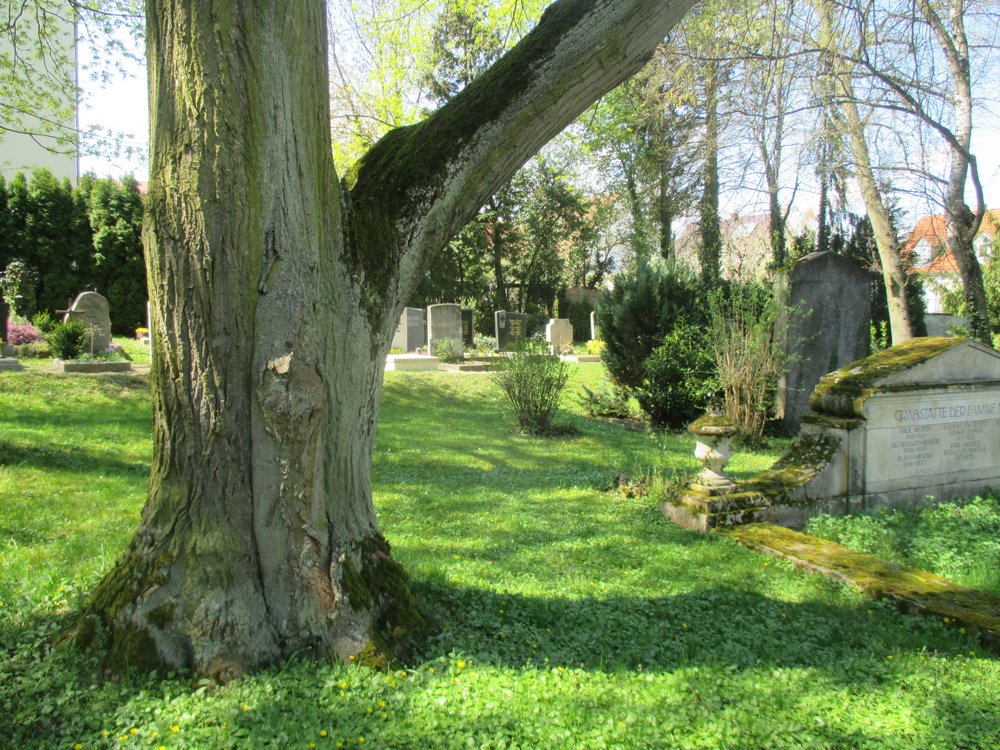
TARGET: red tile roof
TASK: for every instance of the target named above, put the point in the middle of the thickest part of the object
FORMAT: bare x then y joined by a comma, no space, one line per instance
932,228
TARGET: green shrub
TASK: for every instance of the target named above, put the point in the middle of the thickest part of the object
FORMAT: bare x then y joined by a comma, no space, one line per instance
578,314
68,339
606,401
531,382
33,350
746,333
640,310
44,322
680,378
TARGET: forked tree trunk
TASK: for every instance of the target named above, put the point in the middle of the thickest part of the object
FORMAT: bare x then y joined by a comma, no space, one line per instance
275,293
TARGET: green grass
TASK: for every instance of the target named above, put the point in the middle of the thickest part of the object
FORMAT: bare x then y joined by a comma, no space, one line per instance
958,541
569,616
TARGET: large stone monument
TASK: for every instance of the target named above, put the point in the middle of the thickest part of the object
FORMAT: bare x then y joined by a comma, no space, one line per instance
559,334
468,329
919,420
409,334
91,309
511,328
830,300
444,323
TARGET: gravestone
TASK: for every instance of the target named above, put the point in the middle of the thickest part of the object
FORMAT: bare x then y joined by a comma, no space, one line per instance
4,315
511,328
468,329
444,323
559,334
593,324
91,309
830,297
409,335
918,420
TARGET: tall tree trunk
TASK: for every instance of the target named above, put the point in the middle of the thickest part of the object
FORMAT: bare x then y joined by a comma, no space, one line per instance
275,295
710,252
961,225
893,273
666,217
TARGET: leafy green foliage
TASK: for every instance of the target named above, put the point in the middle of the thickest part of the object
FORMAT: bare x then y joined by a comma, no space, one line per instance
578,314
959,541
571,618
531,381
68,340
606,400
640,310
55,240
680,378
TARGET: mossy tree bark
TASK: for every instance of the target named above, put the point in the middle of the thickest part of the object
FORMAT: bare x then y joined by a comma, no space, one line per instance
276,289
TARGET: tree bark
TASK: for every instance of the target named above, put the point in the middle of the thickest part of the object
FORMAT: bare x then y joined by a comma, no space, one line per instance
710,252
900,322
276,290
961,224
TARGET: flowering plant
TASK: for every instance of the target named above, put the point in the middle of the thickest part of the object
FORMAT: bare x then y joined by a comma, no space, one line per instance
140,332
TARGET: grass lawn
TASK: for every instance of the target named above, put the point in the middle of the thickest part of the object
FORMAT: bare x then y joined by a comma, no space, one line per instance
570,617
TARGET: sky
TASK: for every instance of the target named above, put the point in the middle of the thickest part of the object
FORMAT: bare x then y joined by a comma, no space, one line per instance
122,106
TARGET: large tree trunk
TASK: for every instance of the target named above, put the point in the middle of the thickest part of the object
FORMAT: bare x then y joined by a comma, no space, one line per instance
893,272
961,225
275,293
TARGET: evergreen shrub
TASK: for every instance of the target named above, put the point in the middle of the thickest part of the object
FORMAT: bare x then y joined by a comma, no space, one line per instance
680,377
641,309
67,340
578,314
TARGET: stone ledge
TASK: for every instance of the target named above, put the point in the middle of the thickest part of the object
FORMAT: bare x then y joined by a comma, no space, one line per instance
90,367
464,366
914,591
628,424
10,364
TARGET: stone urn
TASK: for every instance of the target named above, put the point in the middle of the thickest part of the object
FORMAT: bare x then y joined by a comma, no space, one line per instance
714,433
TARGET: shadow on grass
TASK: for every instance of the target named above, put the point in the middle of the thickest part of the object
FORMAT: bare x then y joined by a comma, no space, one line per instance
66,459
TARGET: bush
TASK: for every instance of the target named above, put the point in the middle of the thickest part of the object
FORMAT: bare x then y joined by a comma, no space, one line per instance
33,350
680,378
607,401
578,314
640,310
531,382
44,322
68,339
21,334
746,335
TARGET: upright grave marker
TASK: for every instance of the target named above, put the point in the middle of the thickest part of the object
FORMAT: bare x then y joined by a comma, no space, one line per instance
444,323
830,297
409,335
91,309
468,329
511,328
559,334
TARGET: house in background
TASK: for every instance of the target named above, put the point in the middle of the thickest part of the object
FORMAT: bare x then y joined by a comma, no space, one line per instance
38,146
746,246
936,264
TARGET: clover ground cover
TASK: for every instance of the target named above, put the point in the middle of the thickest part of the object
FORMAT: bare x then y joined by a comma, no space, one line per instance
569,616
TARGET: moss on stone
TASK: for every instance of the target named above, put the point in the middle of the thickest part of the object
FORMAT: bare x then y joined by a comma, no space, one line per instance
843,393
712,424
807,457
914,590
